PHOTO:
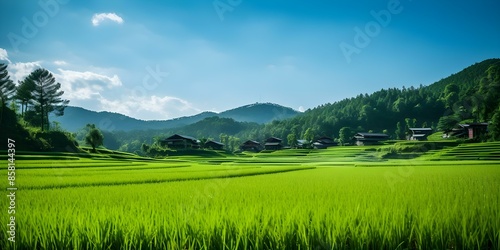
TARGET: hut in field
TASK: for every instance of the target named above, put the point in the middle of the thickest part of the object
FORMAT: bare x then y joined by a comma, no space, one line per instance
215,145
363,139
420,134
273,143
468,130
324,142
180,142
251,145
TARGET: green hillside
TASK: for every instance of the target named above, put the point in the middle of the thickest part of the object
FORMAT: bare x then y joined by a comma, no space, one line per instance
76,118
471,94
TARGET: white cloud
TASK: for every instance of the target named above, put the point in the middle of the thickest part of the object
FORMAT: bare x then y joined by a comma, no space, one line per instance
4,56
73,76
150,107
85,85
18,71
100,17
60,63
302,109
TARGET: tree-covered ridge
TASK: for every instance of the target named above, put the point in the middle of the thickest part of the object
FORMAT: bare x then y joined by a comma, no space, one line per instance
472,94
468,95
36,96
76,118
468,78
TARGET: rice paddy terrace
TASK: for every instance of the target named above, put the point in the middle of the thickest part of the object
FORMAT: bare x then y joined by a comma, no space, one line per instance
425,197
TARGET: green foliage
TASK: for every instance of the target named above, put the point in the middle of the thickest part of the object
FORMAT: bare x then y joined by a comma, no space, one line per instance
54,140
309,135
24,94
489,92
292,140
46,96
400,131
422,146
33,138
446,123
94,137
443,104
345,134
7,87
494,127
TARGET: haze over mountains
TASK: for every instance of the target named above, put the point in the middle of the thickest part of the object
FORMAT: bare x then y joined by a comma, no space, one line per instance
76,118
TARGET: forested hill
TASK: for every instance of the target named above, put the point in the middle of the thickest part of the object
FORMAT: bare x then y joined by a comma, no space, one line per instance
76,118
472,94
467,78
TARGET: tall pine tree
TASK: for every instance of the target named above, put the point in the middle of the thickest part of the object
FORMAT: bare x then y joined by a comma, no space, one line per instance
7,87
46,96
24,94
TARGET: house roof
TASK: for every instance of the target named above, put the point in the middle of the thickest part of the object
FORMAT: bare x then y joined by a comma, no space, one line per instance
371,135
273,139
421,129
478,124
419,135
251,142
214,142
177,136
325,138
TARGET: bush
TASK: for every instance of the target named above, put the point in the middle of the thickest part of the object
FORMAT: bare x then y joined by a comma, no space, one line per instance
11,129
55,141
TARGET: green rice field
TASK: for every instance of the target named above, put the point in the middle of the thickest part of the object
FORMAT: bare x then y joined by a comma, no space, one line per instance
339,198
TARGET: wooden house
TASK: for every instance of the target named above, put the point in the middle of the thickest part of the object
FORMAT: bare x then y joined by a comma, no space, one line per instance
476,130
369,138
324,142
215,145
420,134
180,142
467,130
251,145
459,131
273,143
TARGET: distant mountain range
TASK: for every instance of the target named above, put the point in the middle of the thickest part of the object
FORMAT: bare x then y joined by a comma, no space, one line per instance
75,118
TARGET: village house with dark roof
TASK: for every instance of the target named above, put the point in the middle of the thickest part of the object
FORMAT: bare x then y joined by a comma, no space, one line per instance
273,143
324,142
363,139
468,130
251,145
180,142
215,145
420,134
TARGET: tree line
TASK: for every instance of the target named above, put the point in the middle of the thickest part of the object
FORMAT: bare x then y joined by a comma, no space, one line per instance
37,95
25,109
472,95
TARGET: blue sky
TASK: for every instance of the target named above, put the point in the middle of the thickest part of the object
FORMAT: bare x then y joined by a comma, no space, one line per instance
166,59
